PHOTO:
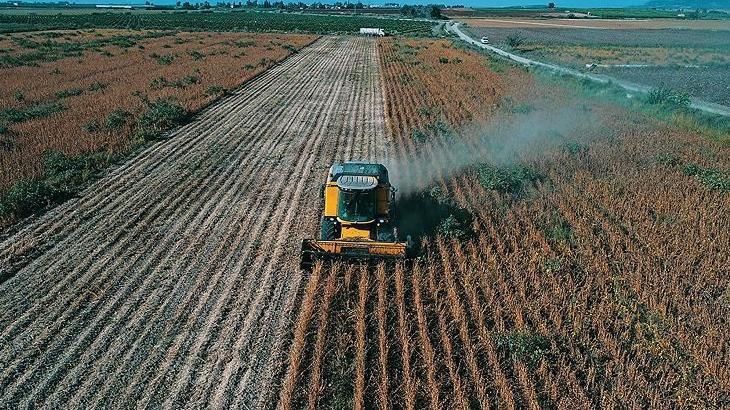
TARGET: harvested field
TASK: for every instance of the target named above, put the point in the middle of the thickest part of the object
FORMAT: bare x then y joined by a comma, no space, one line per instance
708,83
563,280
171,281
92,91
619,24
692,61
668,38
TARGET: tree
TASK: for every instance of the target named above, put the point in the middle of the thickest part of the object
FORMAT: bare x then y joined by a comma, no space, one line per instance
436,12
551,5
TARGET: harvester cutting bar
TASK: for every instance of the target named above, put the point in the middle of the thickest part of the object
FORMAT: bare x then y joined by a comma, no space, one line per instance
366,251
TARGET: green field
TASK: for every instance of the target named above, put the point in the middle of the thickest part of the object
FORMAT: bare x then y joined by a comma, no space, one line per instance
210,21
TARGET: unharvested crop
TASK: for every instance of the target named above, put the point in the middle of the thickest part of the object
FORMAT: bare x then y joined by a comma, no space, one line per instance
122,100
583,291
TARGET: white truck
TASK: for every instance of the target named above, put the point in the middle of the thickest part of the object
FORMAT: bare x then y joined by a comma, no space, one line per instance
379,32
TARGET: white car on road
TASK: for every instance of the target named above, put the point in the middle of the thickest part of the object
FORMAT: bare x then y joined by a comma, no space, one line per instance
484,40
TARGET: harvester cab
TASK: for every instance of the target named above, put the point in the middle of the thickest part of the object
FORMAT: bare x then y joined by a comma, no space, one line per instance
358,220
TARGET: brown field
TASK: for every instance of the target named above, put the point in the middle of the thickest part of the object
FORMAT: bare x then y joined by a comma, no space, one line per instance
428,82
200,68
584,293
578,55
573,253
600,23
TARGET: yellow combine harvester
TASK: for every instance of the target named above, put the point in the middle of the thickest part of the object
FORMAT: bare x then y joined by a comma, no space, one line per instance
358,222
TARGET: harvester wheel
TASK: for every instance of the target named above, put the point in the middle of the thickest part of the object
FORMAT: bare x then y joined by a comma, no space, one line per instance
329,230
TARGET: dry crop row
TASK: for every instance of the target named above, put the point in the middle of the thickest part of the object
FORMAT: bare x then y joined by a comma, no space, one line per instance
603,284
432,82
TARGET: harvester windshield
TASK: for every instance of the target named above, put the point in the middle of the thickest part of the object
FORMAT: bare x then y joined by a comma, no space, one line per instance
356,206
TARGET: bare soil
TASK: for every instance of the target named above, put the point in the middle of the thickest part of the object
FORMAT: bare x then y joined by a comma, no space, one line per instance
171,281
600,23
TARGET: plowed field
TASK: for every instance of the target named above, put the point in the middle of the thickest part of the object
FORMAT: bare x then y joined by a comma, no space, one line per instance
171,281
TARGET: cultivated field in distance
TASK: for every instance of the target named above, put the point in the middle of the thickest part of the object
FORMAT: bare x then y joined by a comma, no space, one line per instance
160,170
691,56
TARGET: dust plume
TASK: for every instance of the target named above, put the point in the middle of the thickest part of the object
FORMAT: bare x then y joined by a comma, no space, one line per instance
506,140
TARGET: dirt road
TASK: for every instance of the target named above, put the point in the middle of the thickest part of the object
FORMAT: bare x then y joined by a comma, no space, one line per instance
171,281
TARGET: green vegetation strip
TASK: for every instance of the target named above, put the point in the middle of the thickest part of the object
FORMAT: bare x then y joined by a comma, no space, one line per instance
52,50
219,21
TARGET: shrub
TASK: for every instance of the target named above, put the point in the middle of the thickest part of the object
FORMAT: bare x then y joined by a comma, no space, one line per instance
92,126
669,160
63,177
559,230
215,90
71,92
507,179
667,97
11,115
24,198
163,60
196,55
418,136
117,118
552,265
515,40
523,345
244,44
443,60
574,147
97,86
713,178
158,83
451,227
18,96
186,81
162,114
523,108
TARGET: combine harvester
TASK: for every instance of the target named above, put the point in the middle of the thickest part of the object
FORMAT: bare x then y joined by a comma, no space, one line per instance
358,221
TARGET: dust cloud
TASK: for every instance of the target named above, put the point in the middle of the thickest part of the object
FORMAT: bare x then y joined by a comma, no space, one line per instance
506,140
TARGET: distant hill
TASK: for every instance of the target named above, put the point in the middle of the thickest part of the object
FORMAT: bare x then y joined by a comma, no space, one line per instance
689,4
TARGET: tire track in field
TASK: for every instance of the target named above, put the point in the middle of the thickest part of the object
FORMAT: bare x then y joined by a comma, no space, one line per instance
171,280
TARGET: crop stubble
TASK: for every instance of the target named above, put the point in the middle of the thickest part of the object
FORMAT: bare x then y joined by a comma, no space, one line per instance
171,281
